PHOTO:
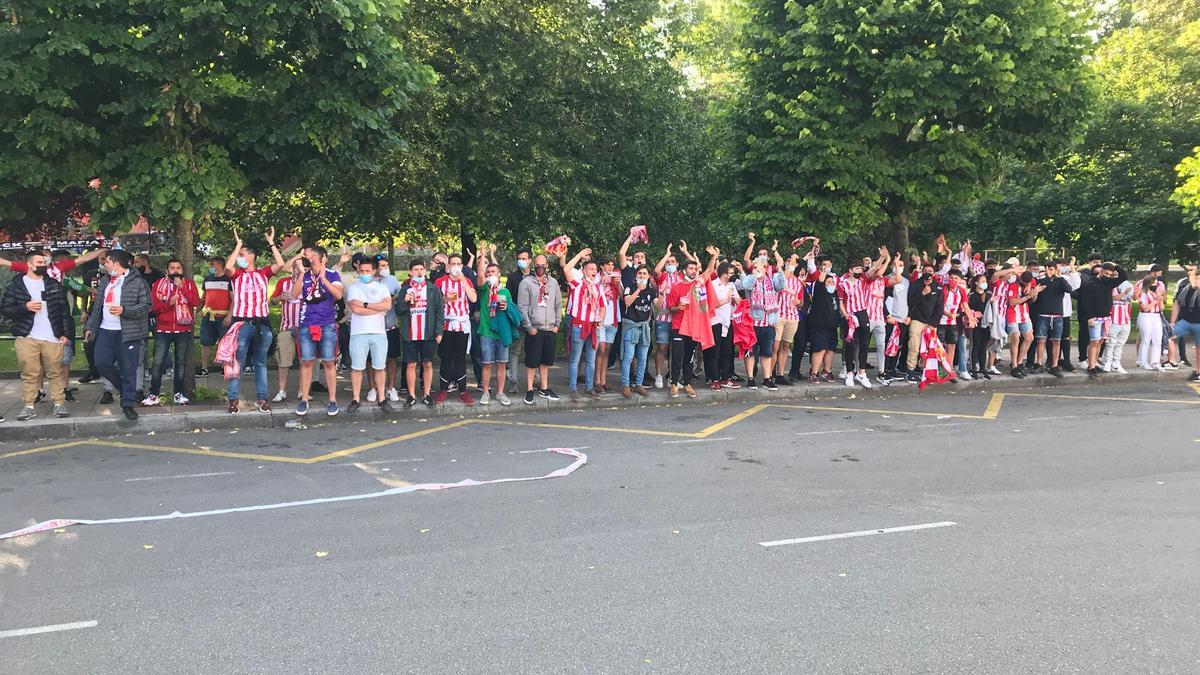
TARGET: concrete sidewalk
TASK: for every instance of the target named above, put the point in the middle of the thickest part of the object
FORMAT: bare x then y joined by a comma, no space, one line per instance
91,418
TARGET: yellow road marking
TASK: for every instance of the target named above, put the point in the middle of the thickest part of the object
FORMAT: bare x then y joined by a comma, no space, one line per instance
875,410
44,448
387,441
1108,398
205,453
1195,387
993,408
709,431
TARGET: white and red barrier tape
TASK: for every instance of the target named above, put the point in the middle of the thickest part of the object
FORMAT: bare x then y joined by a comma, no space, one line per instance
580,460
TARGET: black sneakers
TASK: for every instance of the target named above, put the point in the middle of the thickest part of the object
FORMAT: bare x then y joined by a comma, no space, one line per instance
548,394
529,397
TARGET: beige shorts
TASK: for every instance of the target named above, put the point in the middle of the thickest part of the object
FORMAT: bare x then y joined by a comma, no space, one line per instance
785,331
285,348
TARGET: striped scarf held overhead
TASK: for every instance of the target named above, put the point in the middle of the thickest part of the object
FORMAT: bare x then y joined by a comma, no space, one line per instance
937,368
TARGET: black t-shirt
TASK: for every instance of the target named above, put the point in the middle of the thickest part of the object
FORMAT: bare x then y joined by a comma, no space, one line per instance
1188,301
642,308
629,276
822,312
1050,300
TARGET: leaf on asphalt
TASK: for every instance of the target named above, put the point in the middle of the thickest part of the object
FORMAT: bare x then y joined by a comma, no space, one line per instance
322,554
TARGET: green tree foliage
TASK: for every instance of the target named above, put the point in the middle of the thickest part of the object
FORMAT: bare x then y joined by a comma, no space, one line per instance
179,105
1113,191
859,113
1188,192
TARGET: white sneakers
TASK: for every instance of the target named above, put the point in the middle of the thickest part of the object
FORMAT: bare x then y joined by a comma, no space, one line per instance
503,398
864,380
849,379
280,397
393,395
371,395
151,400
180,399
486,399
964,375
994,371
658,381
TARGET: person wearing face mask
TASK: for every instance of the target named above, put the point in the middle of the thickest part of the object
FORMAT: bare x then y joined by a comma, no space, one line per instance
36,305
250,310
977,304
924,310
499,323
823,318
764,312
1120,323
369,302
1095,307
214,315
954,304
791,300
1048,310
718,361
142,263
513,284
457,293
762,255
420,312
585,311
539,300
667,274
118,323
174,302
691,307
395,349
319,289
896,323
853,293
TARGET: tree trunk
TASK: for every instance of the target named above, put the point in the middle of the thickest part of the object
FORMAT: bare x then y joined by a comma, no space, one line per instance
185,249
899,218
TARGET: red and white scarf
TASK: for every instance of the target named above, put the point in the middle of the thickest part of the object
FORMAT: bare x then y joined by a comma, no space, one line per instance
937,368
163,290
893,341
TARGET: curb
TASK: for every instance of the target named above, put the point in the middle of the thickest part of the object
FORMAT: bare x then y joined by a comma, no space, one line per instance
88,427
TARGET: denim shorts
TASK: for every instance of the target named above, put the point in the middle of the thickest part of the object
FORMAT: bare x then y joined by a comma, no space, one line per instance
328,344
492,350
608,335
1096,331
374,345
1048,327
765,341
1020,327
211,330
662,332
1184,327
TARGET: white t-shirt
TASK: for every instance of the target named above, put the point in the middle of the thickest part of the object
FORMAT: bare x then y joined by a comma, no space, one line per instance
899,307
41,321
112,298
372,294
724,313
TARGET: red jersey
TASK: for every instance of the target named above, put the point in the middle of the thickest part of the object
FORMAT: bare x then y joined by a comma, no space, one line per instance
250,293
458,312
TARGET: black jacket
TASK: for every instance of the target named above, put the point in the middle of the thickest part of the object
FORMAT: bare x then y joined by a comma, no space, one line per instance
55,298
1050,300
925,308
822,309
1095,295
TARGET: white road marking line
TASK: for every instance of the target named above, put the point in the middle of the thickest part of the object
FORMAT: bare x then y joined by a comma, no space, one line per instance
831,431
20,632
849,535
700,440
938,426
186,475
1047,419
526,452
382,461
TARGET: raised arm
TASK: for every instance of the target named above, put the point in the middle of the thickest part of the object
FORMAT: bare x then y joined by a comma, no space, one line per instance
278,264
749,250
231,261
662,261
623,254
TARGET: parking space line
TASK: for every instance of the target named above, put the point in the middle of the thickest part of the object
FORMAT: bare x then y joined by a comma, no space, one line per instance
387,441
700,440
580,427
44,448
1109,398
850,535
54,628
186,475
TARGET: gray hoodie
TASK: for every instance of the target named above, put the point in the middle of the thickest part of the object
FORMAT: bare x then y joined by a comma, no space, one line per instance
542,316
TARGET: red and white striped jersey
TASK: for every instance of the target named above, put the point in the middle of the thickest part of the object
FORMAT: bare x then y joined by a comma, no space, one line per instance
1016,313
665,281
876,291
458,311
418,310
1121,316
793,289
586,303
289,314
954,300
250,293
853,293
1150,303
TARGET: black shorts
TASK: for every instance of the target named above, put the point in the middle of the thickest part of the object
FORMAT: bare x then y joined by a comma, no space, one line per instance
822,339
395,344
948,335
419,351
539,349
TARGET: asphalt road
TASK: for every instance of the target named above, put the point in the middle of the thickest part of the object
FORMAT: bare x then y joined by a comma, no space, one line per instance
1075,543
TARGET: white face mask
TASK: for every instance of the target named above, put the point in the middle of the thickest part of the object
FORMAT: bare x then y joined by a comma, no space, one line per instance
494,280
385,272
455,270
642,282
1012,278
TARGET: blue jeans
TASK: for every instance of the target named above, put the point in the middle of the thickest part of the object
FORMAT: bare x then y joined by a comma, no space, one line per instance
581,348
634,336
117,362
260,335
163,342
